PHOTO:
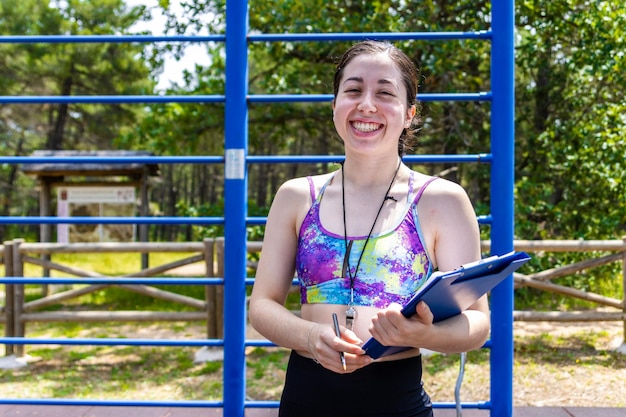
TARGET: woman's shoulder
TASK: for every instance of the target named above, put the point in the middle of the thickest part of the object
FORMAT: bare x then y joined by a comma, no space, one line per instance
300,187
440,191
437,185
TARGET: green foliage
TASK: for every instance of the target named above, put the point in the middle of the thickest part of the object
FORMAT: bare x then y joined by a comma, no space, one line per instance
571,147
571,179
64,69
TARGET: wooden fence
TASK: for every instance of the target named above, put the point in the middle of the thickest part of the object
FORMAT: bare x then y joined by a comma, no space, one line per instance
542,280
17,312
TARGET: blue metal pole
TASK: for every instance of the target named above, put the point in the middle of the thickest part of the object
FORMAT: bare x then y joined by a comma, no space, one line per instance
235,207
502,182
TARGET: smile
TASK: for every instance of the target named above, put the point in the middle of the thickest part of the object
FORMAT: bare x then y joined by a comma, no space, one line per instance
366,127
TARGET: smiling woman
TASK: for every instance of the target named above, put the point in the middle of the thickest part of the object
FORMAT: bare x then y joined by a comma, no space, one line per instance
362,240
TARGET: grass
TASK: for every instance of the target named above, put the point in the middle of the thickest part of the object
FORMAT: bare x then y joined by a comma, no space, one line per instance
149,373
576,369
132,372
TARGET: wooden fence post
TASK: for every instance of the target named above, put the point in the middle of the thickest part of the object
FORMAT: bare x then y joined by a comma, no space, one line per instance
209,264
624,288
9,323
18,297
219,290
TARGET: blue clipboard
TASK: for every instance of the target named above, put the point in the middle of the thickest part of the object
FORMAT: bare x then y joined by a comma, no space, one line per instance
449,293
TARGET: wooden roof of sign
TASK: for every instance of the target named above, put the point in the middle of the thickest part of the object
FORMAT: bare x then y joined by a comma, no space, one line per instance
53,169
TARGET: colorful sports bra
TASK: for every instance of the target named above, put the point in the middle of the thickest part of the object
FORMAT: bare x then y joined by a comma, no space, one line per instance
395,263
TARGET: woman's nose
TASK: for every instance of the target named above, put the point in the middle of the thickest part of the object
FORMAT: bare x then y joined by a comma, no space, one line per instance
366,105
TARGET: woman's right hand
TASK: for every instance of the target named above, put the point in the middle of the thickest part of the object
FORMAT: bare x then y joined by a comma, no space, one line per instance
325,348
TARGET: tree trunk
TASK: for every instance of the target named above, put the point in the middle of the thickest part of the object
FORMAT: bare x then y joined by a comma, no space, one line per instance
55,135
7,189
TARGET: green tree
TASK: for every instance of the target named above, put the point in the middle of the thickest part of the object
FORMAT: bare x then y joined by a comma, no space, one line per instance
571,106
66,69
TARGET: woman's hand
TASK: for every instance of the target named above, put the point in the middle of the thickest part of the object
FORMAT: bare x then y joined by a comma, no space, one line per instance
461,333
391,328
325,347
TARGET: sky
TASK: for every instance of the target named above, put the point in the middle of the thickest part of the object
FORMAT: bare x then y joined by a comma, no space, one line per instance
173,69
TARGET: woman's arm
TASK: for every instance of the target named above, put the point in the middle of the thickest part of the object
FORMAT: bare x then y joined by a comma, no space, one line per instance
267,312
453,239
275,272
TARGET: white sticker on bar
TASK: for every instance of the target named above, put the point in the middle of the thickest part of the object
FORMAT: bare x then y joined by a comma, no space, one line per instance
235,164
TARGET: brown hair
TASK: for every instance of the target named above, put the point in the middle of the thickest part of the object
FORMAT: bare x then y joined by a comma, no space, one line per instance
409,78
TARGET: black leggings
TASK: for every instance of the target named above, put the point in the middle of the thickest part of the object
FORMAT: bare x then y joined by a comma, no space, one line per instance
381,389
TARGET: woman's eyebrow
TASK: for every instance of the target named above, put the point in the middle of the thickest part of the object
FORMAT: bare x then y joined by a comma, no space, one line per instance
357,79
384,81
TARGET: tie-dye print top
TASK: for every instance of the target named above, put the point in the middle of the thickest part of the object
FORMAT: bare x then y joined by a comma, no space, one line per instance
395,263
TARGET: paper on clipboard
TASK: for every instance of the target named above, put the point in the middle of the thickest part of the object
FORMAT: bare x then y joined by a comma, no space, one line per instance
449,293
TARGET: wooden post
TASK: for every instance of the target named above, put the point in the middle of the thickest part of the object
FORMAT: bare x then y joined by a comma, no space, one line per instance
219,290
209,258
624,288
9,324
18,297
45,229
144,211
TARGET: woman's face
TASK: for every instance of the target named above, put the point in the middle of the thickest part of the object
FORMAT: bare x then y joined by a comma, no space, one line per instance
370,110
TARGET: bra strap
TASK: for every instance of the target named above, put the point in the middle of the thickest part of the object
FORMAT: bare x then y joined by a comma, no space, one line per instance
421,191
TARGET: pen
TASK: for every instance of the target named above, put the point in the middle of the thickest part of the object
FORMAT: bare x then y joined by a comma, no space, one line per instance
338,333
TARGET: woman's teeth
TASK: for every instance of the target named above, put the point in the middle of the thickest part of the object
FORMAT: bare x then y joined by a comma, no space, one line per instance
365,127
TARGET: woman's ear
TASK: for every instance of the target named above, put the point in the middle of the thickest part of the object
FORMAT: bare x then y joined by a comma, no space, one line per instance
410,114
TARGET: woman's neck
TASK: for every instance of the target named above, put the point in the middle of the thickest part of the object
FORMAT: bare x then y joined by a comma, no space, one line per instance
370,173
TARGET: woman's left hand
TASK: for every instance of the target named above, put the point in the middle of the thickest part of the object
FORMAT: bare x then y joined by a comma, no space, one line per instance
391,328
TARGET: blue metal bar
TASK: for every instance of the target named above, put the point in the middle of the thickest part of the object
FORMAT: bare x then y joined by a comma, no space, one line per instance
502,183
112,99
110,342
268,37
178,403
291,98
260,342
126,342
302,159
111,160
313,37
110,220
485,219
235,207
110,38
146,220
109,403
216,98
112,281
481,405
257,159
442,405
